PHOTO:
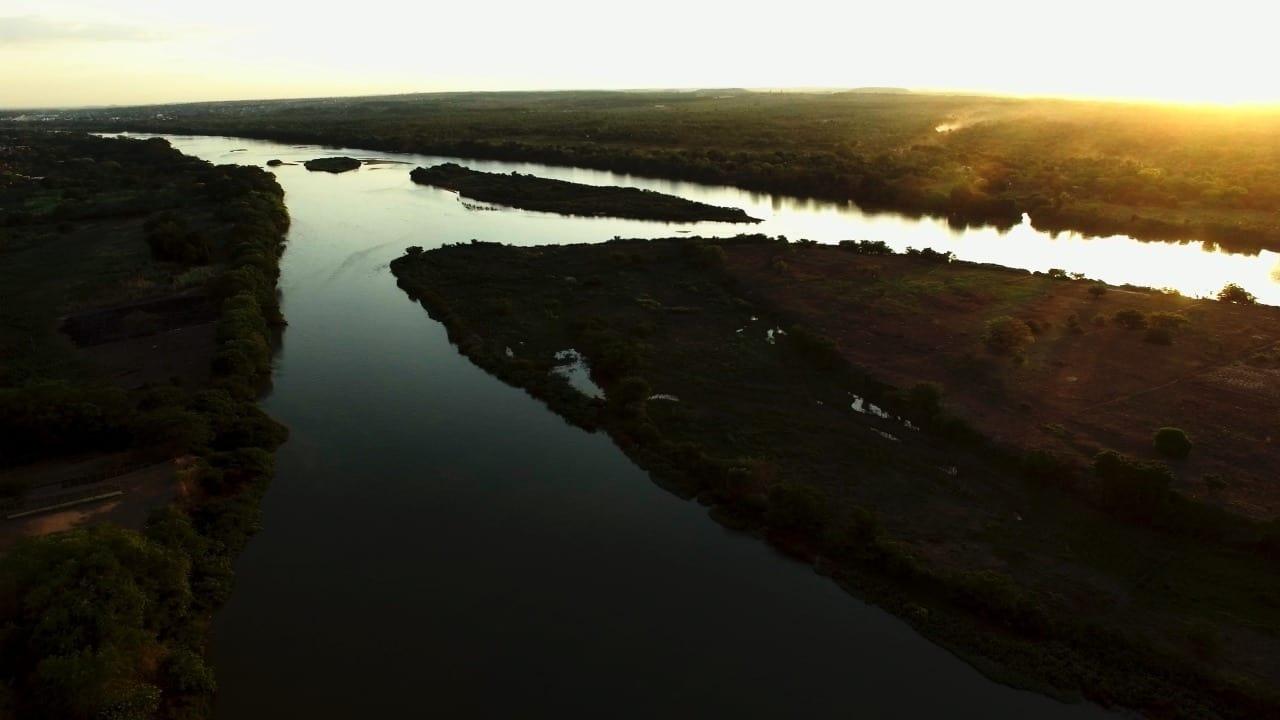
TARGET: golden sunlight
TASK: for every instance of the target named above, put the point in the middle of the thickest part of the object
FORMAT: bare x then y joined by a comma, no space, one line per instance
78,53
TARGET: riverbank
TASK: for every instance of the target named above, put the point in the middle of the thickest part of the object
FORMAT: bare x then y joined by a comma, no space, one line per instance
1097,168
528,192
722,394
115,249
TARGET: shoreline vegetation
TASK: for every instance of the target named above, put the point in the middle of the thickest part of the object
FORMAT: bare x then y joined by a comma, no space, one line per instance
1150,172
529,192
1091,573
134,242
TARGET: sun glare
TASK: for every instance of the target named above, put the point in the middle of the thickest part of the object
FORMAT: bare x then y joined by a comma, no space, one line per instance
78,53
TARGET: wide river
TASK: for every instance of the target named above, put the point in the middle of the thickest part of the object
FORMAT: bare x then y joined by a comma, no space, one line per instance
437,543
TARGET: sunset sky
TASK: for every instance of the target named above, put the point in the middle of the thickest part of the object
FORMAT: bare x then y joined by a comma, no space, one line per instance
61,52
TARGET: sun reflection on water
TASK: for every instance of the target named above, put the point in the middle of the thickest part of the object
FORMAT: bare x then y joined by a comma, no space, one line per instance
1189,267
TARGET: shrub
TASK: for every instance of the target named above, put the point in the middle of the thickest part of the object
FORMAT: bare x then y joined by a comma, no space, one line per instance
866,247
1007,336
48,418
796,507
705,255
1130,319
1158,336
243,465
1097,290
931,255
925,398
246,279
895,558
255,349
1038,327
612,354
853,533
1049,468
217,406
234,363
251,427
1167,320
1233,293
186,672
170,239
951,427
1172,442
1073,324
93,600
998,597
818,350
631,391
154,397
1131,488
1163,325
176,430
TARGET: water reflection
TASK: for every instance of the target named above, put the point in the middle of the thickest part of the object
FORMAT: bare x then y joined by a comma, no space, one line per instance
435,539
1192,268
573,367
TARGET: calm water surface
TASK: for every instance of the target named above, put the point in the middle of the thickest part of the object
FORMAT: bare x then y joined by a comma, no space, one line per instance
437,542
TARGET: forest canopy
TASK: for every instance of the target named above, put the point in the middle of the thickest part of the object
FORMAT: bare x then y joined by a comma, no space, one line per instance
1153,172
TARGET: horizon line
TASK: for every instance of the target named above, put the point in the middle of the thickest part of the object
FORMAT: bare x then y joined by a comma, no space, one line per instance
1253,106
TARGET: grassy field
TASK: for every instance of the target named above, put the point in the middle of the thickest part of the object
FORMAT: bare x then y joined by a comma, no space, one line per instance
74,240
1084,381
727,374
1154,172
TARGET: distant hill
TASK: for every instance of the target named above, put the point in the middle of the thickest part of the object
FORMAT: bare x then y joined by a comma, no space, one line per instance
880,91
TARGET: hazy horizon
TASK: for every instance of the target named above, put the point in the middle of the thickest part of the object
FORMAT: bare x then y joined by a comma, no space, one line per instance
869,89
78,54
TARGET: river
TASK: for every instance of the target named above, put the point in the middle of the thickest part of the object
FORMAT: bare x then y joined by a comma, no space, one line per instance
436,542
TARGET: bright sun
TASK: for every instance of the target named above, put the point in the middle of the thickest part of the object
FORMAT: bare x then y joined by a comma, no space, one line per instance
75,52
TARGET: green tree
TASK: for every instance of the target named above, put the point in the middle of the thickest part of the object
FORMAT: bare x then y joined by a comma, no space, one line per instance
1135,489
1007,336
1172,442
1130,319
1233,293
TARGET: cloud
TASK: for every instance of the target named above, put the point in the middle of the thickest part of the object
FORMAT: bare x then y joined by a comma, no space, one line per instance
33,29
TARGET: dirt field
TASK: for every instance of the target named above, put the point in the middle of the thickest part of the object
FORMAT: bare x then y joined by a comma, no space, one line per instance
158,340
908,320
140,491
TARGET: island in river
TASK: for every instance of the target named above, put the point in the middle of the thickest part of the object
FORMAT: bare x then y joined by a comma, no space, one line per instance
529,192
1152,172
139,306
899,421
333,165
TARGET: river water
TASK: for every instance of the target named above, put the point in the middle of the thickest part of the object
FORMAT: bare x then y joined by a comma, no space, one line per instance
436,542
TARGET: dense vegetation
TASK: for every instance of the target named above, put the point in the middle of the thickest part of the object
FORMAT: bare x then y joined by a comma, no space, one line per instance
1148,171
331,164
1098,581
103,621
529,192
